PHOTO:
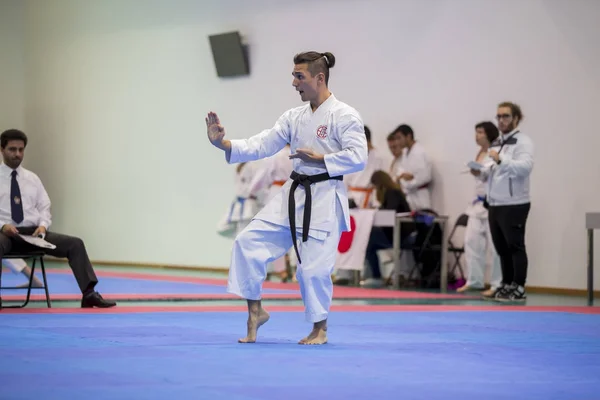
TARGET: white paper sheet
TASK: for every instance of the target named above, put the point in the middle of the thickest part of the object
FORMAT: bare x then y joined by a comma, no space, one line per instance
475,165
37,241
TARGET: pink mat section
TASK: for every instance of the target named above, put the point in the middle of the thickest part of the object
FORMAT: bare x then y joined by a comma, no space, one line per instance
340,292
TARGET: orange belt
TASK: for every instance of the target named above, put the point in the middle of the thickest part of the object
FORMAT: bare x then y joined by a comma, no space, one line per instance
279,183
367,191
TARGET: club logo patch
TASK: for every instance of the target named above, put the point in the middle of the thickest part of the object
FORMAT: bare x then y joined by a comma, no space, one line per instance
322,132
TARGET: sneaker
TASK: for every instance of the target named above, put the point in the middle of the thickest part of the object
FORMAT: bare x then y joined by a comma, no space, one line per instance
495,294
515,294
373,283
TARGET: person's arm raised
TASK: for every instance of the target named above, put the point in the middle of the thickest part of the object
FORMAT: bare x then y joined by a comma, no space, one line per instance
262,145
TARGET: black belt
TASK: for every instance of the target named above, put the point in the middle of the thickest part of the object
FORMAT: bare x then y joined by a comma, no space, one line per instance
306,181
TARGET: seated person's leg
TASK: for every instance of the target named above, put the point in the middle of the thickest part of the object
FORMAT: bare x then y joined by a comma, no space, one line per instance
378,240
407,259
73,249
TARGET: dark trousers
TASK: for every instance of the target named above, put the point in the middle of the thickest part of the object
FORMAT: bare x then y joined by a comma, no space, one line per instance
68,247
381,239
507,226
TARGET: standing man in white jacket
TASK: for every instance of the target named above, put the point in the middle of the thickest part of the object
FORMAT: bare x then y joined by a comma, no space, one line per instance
509,202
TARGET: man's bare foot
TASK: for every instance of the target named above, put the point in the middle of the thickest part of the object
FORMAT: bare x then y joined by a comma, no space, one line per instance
317,336
255,320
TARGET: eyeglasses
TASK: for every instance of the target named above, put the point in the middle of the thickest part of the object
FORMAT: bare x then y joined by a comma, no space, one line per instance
503,116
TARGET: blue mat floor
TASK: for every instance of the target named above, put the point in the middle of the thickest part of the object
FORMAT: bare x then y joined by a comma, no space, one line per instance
408,355
59,283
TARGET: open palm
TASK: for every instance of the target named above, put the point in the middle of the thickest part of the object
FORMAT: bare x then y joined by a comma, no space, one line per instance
214,129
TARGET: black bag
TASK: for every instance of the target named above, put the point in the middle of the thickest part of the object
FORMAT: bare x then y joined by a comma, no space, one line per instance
486,205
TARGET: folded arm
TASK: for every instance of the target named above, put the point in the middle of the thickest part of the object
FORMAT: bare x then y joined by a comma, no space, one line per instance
421,174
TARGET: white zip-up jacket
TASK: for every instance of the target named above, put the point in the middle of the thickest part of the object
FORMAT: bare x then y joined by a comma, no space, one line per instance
508,181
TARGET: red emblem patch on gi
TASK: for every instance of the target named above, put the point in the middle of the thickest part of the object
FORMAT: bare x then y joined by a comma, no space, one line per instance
322,132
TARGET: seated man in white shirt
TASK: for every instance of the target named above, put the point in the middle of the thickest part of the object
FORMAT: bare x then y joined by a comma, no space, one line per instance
25,209
417,175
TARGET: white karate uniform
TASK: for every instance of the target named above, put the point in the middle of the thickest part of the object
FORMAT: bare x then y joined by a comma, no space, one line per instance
275,171
246,203
417,191
16,265
396,168
478,239
359,184
337,131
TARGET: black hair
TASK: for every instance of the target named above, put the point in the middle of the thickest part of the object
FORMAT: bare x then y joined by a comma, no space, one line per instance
405,130
491,131
368,133
12,134
317,62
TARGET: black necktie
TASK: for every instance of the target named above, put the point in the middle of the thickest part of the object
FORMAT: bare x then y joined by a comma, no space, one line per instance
16,205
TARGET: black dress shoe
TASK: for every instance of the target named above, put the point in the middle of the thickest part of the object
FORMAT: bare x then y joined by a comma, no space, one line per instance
94,299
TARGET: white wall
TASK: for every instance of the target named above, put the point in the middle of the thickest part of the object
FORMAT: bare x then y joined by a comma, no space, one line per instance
118,90
12,89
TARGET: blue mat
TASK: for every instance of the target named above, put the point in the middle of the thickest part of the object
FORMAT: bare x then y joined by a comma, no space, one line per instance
66,284
434,355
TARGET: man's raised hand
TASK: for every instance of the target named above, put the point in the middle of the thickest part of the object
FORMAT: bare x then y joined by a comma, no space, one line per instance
215,131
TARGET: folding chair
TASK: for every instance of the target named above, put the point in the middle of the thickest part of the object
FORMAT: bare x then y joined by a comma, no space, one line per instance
427,249
457,250
35,256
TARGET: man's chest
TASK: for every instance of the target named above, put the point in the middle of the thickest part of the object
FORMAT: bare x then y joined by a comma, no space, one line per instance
317,132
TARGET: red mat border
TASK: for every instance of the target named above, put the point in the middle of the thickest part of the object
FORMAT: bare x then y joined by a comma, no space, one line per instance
300,309
339,292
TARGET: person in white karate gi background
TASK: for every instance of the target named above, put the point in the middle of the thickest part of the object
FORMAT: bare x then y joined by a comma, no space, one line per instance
273,174
19,266
249,194
362,193
358,184
478,238
396,149
416,176
327,141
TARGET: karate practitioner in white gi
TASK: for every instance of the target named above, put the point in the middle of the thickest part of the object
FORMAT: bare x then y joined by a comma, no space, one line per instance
18,265
395,146
359,184
327,141
249,199
478,238
417,172
273,174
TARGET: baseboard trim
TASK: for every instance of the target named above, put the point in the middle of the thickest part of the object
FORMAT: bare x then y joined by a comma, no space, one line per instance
224,271
560,291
